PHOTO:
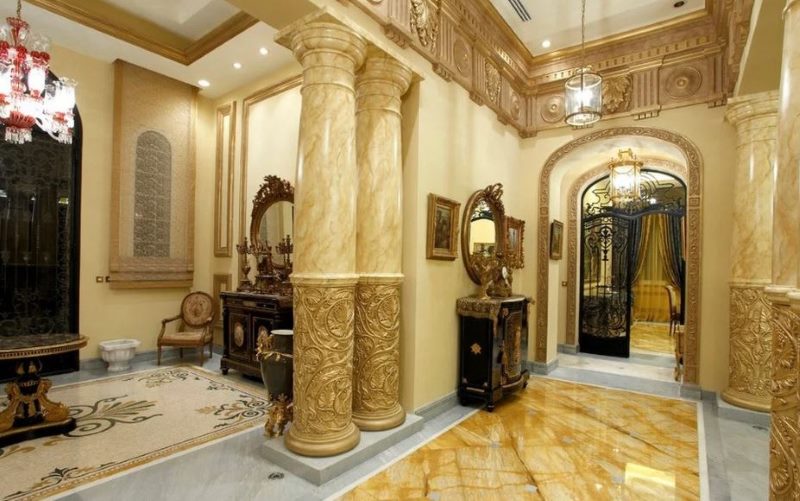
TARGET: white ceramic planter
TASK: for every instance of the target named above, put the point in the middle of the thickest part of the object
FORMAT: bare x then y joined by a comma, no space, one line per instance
118,353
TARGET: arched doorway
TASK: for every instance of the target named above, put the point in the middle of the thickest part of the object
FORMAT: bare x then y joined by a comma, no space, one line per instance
692,159
631,266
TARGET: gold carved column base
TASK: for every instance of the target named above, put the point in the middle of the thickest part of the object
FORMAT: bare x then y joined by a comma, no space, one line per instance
784,468
376,378
750,358
323,365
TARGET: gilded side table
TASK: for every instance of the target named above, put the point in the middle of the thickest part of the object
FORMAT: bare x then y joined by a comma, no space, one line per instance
30,413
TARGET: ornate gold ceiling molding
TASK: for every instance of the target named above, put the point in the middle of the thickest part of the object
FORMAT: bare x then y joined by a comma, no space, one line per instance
689,60
146,34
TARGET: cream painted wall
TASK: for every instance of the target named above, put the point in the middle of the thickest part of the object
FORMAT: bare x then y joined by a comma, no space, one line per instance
105,313
717,142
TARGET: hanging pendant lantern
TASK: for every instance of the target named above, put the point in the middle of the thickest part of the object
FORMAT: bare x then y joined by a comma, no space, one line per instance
584,90
625,178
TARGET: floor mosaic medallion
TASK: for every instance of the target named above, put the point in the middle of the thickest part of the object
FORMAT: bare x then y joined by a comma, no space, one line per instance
128,421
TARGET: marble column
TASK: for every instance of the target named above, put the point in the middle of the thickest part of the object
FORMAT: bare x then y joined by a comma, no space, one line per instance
376,377
324,275
784,464
750,353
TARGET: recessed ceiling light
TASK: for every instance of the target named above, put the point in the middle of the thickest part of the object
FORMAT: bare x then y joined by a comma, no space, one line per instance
238,66
546,44
680,3
203,83
263,51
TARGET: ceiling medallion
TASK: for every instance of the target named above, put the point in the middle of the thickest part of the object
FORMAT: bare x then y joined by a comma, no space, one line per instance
29,94
583,91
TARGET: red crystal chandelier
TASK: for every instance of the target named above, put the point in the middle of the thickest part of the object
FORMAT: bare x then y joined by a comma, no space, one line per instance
26,96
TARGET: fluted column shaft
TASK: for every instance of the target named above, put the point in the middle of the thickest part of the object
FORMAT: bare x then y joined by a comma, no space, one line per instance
376,377
784,462
324,276
750,354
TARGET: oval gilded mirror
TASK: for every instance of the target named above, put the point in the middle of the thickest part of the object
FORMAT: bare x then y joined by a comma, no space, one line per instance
482,227
272,218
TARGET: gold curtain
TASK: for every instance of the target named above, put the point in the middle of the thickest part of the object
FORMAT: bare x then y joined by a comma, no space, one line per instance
651,303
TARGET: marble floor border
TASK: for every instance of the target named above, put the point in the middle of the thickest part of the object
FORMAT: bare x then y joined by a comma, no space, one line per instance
402,456
702,454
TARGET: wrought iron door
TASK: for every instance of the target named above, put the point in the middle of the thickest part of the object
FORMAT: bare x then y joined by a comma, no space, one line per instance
605,300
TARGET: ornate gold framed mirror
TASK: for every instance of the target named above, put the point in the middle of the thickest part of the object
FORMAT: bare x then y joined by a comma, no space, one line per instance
483,229
271,233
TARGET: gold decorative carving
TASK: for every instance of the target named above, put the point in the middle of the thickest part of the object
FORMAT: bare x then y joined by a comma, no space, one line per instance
376,392
701,38
462,55
616,94
492,82
424,23
279,415
552,109
512,366
475,349
516,107
750,357
323,367
693,180
682,82
784,464
443,72
492,197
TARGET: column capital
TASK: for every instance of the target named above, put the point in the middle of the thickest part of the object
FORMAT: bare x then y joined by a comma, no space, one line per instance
751,106
380,67
790,4
320,33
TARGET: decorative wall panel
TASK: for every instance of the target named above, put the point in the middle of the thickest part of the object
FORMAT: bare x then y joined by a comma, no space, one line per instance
152,219
223,195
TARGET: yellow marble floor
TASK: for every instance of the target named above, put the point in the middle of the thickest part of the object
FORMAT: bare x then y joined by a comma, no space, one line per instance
652,336
556,440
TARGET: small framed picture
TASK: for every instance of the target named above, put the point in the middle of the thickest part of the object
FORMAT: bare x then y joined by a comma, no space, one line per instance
442,228
515,234
556,239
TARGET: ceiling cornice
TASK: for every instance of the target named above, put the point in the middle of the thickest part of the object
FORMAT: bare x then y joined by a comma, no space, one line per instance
145,34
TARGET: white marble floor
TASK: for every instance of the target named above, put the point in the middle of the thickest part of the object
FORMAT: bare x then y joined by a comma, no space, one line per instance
636,366
235,468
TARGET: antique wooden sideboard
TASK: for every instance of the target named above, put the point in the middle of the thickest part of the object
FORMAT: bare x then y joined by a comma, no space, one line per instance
493,348
245,316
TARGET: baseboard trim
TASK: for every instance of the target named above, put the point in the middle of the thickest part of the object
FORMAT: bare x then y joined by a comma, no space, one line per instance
571,349
440,406
145,356
740,414
691,391
543,368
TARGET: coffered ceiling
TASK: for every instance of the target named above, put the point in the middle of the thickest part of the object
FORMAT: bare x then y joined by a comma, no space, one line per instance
188,40
559,21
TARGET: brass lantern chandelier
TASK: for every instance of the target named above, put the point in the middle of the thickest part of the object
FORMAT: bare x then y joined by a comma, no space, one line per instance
584,90
626,171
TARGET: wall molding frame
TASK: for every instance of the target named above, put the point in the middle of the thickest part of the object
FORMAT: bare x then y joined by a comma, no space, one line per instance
693,179
247,103
224,173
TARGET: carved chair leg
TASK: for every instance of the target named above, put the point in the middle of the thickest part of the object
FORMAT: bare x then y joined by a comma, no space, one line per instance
159,355
202,351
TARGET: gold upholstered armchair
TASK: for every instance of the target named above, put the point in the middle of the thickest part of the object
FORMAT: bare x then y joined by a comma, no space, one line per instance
196,327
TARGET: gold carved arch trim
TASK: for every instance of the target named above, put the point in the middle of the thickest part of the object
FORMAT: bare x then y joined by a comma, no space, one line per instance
575,190
693,179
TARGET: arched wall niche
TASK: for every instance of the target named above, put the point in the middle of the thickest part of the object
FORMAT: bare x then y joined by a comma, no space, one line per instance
674,148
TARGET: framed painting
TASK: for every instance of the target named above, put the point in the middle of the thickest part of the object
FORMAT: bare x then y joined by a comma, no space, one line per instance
515,234
442,228
556,239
